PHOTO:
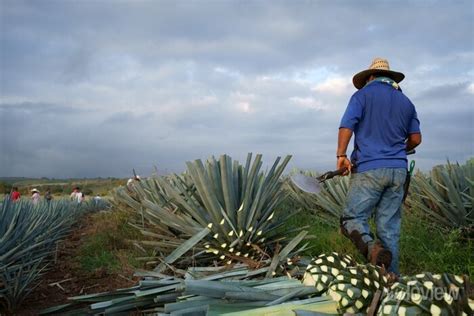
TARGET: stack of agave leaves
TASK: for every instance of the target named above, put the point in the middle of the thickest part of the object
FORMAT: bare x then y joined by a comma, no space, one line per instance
218,211
328,204
222,290
28,237
332,284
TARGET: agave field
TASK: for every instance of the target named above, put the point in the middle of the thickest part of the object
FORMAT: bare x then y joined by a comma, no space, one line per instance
29,233
218,239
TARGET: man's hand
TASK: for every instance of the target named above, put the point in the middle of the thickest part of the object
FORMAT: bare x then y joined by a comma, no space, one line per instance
413,140
343,139
344,162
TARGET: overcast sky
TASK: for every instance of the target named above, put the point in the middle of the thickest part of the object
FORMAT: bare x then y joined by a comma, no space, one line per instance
96,88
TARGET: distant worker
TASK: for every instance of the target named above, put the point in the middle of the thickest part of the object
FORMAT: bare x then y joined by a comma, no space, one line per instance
15,195
97,199
77,195
48,196
35,196
131,182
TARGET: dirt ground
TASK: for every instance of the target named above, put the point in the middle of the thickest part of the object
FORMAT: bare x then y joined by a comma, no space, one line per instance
66,279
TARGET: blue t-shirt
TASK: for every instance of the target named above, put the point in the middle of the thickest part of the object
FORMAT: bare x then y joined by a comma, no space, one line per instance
381,118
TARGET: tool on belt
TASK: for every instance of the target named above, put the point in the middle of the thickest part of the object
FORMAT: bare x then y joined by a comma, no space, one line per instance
407,180
314,185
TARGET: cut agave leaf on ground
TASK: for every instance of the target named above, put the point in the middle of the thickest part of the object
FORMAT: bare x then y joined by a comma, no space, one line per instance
183,248
55,309
328,307
281,256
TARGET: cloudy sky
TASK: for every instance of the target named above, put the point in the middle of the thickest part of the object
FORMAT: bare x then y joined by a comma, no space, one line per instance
96,88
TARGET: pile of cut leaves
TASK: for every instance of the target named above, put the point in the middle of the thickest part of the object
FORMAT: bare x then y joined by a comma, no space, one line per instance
220,290
329,284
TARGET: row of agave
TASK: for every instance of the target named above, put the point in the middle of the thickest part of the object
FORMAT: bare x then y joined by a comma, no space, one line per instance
220,209
28,237
445,196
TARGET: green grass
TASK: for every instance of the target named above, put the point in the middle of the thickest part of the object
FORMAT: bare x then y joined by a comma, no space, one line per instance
423,247
107,247
95,254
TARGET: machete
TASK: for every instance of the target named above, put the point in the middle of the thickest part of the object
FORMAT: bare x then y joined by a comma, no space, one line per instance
314,185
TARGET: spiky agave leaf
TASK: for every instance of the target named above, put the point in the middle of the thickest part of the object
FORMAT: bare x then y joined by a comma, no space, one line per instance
446,196
430,294
235,202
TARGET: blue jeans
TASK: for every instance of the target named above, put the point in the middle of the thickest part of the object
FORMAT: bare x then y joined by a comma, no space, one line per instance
380,190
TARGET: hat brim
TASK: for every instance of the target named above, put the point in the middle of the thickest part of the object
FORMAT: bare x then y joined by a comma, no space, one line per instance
360,79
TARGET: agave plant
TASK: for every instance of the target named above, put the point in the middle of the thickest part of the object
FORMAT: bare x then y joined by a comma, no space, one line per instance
28,236
446,196
329,203
220,209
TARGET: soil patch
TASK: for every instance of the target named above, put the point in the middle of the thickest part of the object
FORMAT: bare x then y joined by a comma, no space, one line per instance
66,279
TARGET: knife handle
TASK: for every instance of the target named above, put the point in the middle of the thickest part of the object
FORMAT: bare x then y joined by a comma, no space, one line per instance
332,174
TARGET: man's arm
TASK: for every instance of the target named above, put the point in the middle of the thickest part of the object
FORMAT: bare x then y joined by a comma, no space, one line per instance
413,140
343,140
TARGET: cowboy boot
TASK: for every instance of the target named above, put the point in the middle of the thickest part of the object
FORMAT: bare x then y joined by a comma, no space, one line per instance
380,256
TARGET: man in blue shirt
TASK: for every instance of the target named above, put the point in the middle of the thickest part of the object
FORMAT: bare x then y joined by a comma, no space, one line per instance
386,126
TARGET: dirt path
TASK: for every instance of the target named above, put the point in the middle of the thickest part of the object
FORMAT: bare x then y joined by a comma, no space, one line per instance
65,278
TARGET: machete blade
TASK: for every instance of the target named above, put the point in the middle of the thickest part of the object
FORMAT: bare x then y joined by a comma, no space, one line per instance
306,184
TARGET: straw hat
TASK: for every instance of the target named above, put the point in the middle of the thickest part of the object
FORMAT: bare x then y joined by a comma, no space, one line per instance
379,66
35,190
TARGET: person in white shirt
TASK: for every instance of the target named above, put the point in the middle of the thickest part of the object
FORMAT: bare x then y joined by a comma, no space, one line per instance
77,195
35,196
131,182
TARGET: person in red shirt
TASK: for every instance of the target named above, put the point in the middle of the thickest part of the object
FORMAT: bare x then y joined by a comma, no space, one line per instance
15,195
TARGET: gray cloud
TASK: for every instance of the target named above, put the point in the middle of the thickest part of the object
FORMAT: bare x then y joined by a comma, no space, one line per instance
98,88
